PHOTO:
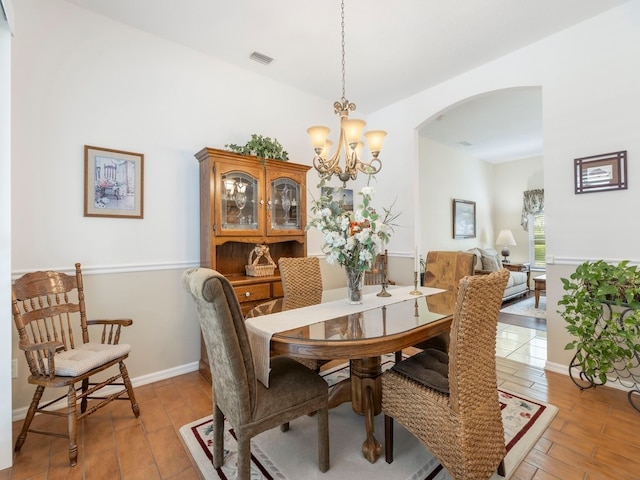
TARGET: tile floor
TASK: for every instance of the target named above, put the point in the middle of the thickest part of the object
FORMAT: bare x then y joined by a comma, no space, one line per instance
521,344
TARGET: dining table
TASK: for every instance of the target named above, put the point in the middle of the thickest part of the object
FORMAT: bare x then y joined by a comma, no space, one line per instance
334,329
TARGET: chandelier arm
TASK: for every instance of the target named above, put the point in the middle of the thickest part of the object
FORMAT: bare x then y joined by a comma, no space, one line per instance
371,168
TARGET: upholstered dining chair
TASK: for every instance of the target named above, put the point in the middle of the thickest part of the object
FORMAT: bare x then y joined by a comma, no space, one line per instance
445,269
450,401
53,330
250,407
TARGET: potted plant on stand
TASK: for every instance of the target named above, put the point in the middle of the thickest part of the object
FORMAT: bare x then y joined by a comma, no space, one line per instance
602,310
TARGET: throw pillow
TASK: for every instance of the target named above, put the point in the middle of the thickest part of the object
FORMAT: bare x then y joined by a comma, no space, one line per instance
478,254
490,252
490,264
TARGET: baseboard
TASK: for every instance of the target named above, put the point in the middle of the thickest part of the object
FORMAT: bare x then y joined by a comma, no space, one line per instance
564,370
20,413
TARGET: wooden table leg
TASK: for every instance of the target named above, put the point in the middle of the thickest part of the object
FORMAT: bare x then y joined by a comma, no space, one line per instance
340,393
366,399
537,293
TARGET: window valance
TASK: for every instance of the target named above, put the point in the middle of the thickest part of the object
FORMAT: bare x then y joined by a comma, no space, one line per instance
532,204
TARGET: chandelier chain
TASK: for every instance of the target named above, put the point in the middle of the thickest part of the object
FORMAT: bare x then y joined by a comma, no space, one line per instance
343,54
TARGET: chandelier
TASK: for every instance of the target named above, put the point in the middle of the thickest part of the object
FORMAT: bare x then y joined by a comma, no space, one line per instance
349,144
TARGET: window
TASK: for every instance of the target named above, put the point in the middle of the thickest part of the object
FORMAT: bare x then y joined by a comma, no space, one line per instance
537,241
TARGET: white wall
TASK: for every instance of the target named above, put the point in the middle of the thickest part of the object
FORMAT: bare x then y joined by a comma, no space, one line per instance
5,241
79,78
446,173
510,180
589,76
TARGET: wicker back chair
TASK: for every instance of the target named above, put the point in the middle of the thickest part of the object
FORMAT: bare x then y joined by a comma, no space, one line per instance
302,286
49,313
379,271
451,402
301,281
444,269
238,397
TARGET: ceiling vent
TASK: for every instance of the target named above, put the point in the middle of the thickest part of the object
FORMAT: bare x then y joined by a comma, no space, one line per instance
261,58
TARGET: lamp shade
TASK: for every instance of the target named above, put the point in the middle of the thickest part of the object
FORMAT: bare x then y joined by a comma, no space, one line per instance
353,129
375,139
505,237
318,136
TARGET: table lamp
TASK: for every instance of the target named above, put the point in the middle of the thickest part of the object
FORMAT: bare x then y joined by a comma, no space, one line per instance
505,238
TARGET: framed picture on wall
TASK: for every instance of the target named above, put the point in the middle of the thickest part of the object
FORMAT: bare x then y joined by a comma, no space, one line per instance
113,183
464,218
339,194
601,172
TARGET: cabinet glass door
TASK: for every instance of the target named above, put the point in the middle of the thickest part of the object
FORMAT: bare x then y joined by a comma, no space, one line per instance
285,205
239,201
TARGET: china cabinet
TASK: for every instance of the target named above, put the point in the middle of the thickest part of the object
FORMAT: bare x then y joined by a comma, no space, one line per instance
246,201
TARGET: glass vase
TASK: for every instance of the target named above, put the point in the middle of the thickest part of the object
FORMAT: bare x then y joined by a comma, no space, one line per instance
355,285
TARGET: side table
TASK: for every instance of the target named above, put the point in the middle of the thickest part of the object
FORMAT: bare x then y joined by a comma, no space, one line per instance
540,285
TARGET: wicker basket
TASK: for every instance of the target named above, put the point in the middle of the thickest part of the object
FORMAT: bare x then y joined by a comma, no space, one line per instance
254,268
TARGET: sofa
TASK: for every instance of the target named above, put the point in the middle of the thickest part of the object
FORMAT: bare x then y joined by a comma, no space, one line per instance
488,260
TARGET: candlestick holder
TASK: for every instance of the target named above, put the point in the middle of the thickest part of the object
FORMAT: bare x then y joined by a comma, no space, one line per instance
415,290
384,283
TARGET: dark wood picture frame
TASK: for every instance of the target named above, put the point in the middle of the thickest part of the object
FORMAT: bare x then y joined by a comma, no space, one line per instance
599,173
113,183
464,218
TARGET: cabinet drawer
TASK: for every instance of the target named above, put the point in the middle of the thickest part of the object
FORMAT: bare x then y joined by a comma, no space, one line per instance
277,290
250,293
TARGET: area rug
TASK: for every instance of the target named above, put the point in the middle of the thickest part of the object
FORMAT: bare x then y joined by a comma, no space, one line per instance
527,308
294,455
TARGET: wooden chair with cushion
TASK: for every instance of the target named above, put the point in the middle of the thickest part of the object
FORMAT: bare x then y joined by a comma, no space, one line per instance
450,402
444,269
248,406
53,330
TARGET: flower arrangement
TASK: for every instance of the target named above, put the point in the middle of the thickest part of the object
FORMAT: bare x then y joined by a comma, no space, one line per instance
351,238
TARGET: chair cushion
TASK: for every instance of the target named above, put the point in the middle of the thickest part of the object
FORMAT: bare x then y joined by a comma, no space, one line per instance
85,357
429,367
291,384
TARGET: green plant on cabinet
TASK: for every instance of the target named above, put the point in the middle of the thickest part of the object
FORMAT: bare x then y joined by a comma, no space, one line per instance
263,147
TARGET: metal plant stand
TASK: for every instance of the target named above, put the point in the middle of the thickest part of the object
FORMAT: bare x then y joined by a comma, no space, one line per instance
627,373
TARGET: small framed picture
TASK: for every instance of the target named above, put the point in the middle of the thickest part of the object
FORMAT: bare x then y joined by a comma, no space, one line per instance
601,172
113,183
464,218
339,194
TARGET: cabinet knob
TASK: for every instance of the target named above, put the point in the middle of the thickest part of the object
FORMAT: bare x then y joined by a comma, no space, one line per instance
247,294
262,202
